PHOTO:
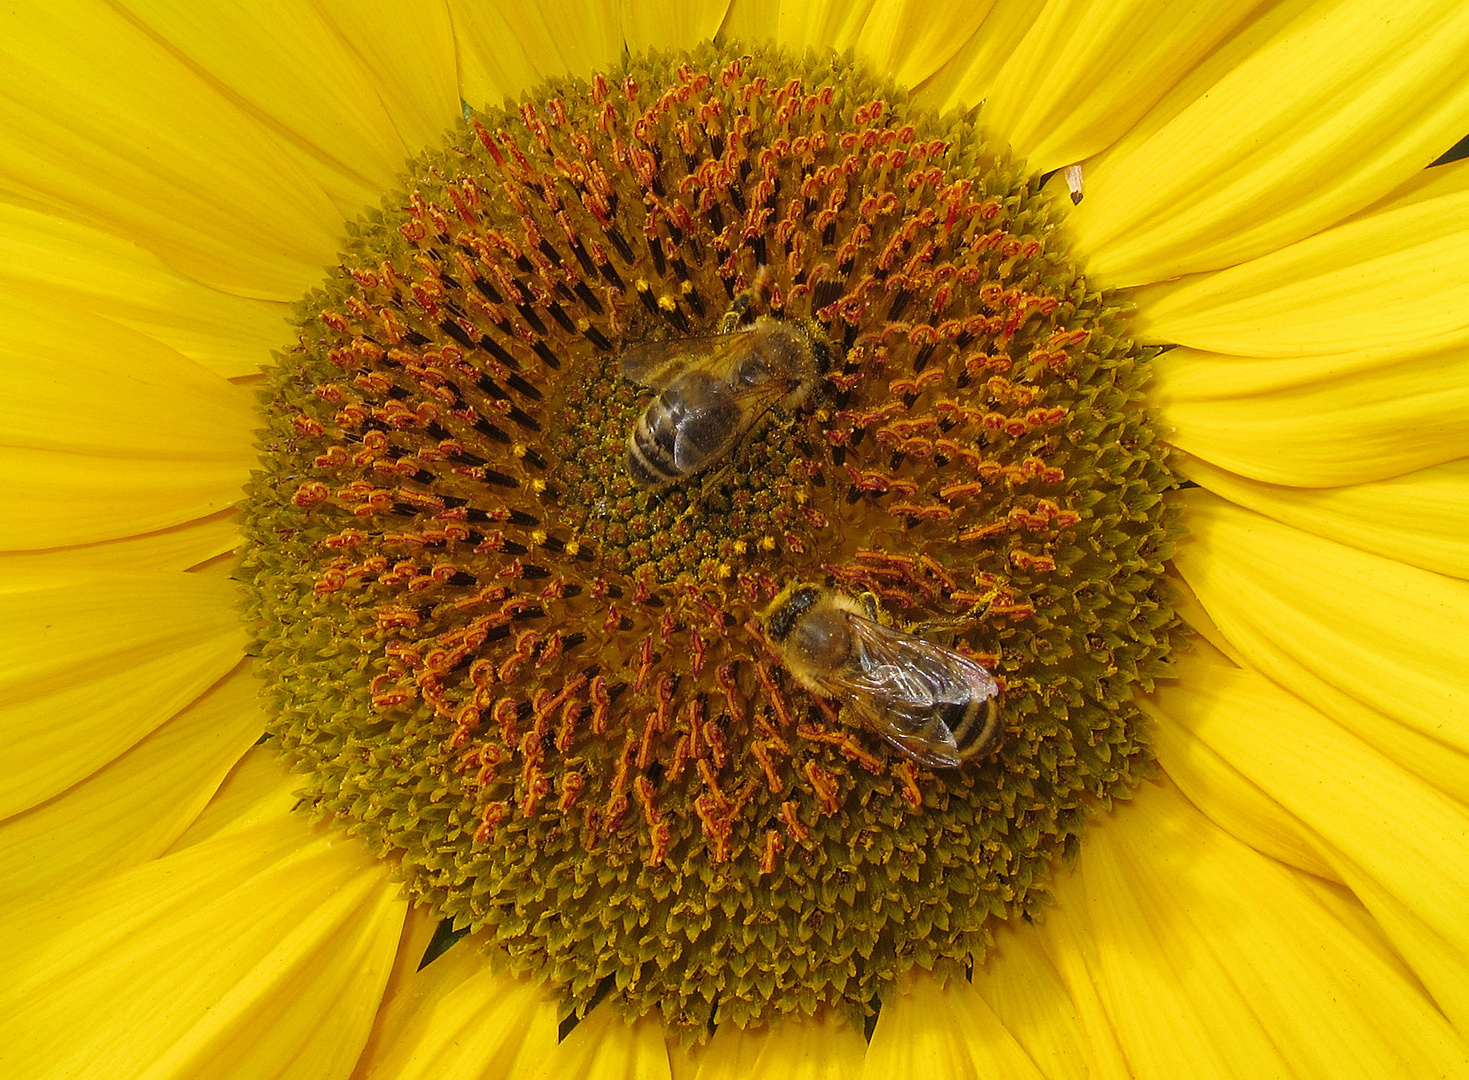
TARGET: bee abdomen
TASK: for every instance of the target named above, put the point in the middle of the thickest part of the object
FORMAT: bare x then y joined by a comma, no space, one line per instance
975,724
648,462
670,441
954,713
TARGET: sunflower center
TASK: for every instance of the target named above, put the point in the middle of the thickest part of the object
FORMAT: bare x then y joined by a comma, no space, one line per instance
536,662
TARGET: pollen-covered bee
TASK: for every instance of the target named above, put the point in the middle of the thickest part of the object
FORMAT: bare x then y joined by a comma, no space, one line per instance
715,391
934,704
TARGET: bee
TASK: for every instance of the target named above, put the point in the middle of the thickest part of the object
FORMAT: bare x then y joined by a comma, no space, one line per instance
934,704
715,391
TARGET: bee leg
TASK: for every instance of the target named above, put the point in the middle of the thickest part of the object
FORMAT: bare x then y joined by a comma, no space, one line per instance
718,476
869,604
712,482
738,314
941,631
956,624
741,307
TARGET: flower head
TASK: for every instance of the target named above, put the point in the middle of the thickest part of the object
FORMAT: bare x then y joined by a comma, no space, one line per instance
540,687
540,681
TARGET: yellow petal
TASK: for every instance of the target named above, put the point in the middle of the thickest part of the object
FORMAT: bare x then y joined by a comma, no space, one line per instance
1431,183
748,21
1443,766
1397,275
289,69
458,1017
926,1030
825,1047
134,807
493,61
99,119
582,37
669,24
1363,426
178,548
505,48
1342,105
258,789
1206,635
1163,991
262,953
966,80
420,926
90,665
1382,829
821,24
88,386
1390,636
1214,961
407,50
1421,519
909,40
108,433
603,1047
1231,799
75,498
72,265
1352,914
1264,24
1087,70
1190,375
683,1061
1438,961
730,1053
1018,982
1071,954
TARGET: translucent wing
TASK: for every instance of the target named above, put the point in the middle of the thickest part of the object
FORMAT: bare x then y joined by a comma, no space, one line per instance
720,418
910,690
656,364
704,417
709,403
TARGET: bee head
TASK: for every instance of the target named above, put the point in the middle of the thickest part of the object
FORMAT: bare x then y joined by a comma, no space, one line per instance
786,610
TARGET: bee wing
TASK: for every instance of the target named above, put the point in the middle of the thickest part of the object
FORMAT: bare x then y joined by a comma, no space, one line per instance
918,671
656,364
708,420
713,416
927,751
903,686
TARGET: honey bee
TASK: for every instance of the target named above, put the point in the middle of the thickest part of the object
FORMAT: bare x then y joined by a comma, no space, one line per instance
715,391
934,704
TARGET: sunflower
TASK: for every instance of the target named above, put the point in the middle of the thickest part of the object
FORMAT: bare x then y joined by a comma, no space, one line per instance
1144,386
